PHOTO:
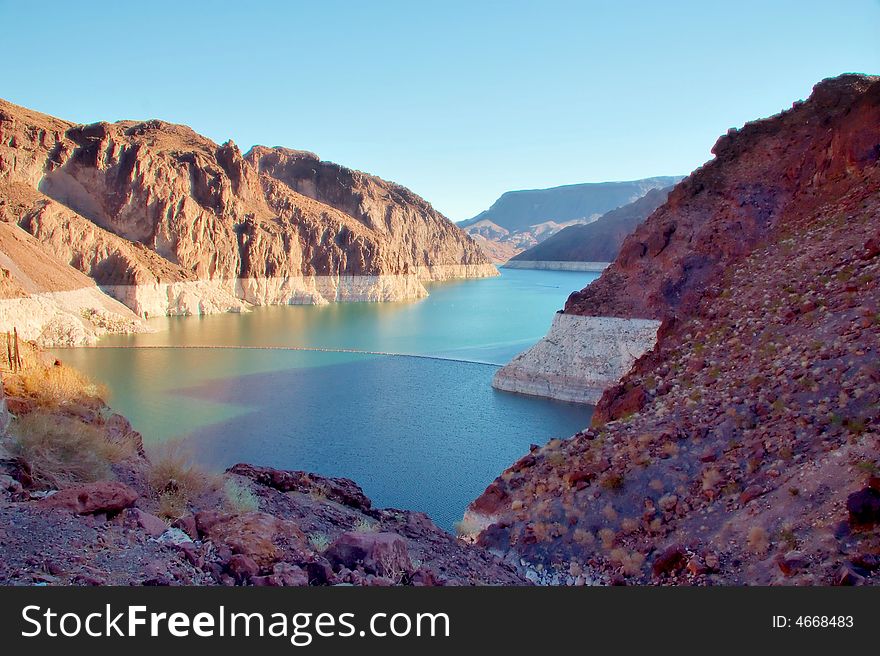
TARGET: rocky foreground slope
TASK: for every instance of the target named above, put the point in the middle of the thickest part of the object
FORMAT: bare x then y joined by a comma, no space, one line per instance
168,222
743,448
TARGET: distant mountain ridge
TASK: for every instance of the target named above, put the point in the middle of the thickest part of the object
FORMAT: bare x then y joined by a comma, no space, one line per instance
521,219
518,210
599,241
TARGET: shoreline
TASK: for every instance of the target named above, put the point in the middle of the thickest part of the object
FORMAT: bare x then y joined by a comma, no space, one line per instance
78,317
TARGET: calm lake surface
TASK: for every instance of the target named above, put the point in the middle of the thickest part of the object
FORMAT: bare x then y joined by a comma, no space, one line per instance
415,433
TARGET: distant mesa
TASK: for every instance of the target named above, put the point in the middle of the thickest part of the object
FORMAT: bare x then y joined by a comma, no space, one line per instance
596,243
519,220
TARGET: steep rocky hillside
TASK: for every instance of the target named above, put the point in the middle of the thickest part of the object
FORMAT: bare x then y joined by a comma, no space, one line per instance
744,447
520,219
167,221
765,175
599,241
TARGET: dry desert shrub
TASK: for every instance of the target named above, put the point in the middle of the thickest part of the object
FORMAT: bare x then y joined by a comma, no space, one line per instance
177,481
758,540
319,542
64,450
53,385
364,525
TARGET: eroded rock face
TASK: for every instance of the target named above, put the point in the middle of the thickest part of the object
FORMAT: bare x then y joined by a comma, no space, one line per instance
579,358
168,222
260,537
764,179
50,302
737,450
341,490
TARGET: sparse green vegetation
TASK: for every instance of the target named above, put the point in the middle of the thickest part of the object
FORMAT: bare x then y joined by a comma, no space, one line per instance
319,542
364,525
239,498
612,481
855,425
844,275
788,538
869,467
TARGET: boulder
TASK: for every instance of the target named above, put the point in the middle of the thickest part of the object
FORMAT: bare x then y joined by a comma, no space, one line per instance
381,554
847,575
791,563
108,497
864,507
264,538
290,574
151,525
187,524
494,499
203,521
242,567
283,574
619,402
318,571
341,490
670,560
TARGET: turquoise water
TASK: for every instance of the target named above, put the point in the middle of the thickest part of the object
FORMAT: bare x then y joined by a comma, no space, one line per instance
415,433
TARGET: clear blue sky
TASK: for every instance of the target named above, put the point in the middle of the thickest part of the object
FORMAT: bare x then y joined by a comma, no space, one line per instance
458,100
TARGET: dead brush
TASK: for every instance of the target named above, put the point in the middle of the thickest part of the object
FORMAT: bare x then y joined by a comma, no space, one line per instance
176,481
53,386
63,450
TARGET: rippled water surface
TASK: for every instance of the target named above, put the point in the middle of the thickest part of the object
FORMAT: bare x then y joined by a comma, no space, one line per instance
415,433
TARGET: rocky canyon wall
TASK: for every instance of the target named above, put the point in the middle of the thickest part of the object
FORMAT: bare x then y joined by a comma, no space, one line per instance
168,222
50,302
762,175
742,448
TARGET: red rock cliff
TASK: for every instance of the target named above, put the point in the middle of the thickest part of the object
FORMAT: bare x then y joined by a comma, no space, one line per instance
764,178
152,204
743,448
